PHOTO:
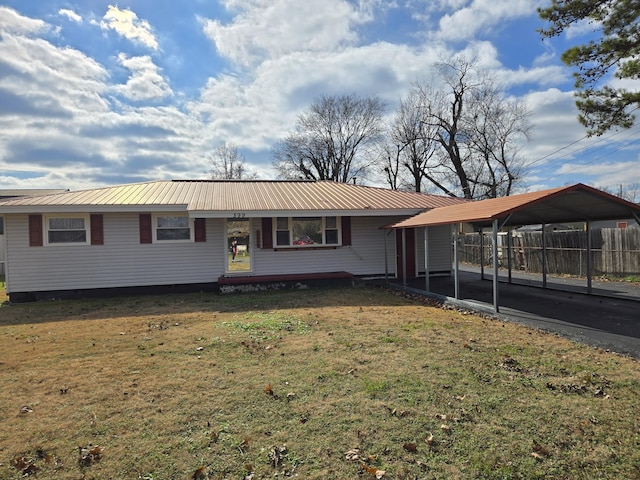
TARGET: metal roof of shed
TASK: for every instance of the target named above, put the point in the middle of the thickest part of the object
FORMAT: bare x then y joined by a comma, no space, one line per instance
219,198
575,203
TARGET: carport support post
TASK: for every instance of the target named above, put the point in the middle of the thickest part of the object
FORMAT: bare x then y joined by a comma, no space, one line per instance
456,265
426,259
509,240
495,265
589,258
481,254
544,258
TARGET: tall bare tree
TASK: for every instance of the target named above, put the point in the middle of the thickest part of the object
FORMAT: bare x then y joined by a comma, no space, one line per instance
409,148
331,139
494,130
468,133
229,164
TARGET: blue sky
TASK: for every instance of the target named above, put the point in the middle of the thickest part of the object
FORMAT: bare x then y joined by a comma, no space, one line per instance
94,93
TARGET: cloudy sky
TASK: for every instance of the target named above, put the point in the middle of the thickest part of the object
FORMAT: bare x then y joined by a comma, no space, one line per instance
94,93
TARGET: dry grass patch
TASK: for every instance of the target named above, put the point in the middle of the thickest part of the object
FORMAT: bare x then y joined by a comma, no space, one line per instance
342,384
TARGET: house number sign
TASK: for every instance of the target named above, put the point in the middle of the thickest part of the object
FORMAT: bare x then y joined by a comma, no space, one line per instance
239,215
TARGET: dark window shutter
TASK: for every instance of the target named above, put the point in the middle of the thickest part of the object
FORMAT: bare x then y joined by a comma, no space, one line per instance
200,232
97,230
346,231
146,230
35,231
267,233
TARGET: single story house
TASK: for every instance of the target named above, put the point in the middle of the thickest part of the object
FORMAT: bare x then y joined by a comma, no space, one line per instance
211,234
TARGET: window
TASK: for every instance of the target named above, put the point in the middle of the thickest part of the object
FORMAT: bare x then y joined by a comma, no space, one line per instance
306,231
1,225
62,230
173,228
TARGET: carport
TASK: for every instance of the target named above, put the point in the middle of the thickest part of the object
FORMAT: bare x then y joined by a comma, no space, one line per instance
576,203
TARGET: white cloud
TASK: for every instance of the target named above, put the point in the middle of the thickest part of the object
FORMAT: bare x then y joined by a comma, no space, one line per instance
13,23
126,23
482,15
272,28
605,173
70,14
146,82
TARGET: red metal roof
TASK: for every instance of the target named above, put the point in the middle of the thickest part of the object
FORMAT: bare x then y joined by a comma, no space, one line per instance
565,204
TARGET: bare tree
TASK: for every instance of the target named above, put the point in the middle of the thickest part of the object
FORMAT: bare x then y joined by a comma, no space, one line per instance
495,127
331,139
474,131
229,164
410,146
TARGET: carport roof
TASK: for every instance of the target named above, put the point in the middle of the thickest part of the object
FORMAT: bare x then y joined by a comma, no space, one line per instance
575,203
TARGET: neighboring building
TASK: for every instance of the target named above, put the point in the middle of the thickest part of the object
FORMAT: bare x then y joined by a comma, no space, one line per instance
213,234
12,194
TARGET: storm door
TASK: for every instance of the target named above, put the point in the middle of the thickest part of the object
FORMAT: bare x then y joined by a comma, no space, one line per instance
238,244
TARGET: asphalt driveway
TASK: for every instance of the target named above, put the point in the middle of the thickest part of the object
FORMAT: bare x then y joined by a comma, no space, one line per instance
608,319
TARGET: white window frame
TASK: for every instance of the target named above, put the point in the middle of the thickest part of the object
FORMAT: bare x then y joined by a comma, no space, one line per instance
155,228
87,229
323,219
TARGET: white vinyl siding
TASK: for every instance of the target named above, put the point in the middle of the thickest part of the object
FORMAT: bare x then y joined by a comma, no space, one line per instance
121,262
440,249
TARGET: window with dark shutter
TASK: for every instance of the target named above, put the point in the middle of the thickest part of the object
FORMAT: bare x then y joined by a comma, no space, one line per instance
146,229
35,231
267,233
97,230
200,233
346,231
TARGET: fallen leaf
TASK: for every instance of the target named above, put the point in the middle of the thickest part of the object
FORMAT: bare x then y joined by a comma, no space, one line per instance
199,474
89,455
371,470
429,439
352,455
24,465
445,428
410,447
541,449
268,389
276,455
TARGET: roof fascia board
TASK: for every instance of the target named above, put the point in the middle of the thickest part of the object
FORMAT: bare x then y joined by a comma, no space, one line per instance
299,213
33,209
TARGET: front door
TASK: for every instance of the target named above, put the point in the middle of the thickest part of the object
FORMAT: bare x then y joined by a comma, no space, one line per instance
238,244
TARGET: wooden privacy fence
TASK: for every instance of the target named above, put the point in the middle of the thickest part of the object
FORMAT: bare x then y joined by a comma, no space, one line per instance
613,251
